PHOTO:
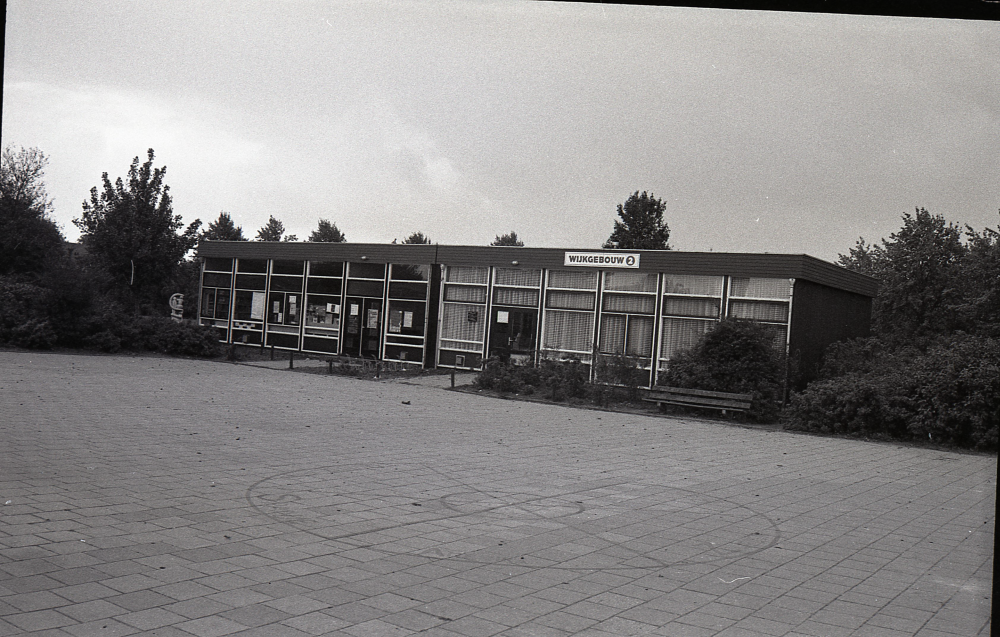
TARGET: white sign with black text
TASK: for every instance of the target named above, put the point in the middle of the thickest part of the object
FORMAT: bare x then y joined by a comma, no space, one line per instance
601,259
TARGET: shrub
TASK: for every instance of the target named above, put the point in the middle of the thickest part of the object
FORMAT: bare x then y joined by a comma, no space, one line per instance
564,379
948,394
616,373
737,356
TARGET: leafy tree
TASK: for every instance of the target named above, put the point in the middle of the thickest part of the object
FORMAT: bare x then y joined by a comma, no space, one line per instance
980,277
509,239
641,226
132,234
328,233
922,287
417,238
223,229
29,240
274,230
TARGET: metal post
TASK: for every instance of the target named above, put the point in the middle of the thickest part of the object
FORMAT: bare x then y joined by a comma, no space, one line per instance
291,360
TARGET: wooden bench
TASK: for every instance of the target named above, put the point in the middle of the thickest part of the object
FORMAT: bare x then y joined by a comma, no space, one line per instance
721,400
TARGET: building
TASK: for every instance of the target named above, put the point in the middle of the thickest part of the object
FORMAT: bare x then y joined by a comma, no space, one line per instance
455,306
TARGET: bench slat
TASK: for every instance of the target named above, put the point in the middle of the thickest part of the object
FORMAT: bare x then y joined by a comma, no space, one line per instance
713,403
698,392
699,398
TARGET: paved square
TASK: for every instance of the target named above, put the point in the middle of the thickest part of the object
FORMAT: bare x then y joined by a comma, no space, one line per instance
157,496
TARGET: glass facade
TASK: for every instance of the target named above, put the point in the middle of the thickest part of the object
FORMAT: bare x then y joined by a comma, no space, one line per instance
460,315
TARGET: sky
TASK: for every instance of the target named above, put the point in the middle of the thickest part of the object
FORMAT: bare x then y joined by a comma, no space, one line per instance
760,131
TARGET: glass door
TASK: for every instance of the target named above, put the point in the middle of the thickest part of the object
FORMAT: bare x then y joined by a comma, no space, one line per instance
362,327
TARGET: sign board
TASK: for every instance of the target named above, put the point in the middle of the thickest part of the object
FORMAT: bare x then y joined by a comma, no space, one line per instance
601,259
177,307
257,306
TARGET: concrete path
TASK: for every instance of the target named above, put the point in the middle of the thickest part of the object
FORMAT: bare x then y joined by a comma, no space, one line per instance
172,497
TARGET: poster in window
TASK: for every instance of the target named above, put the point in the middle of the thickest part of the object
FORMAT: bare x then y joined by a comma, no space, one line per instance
395,321
372,322
257,307
407,319
502,317
354,309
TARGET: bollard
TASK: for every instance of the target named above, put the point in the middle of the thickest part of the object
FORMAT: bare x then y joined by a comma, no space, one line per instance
453,378
291,360
378,369
329,366
272,351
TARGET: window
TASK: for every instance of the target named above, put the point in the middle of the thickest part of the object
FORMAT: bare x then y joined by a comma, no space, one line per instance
463,313
767,301
324,285
570,302
692,305
567,331
680,335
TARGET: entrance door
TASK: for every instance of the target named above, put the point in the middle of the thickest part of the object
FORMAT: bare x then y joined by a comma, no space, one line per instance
512,334
362,323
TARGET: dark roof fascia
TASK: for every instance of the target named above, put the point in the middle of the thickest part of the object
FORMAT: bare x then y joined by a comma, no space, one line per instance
792,266
321,251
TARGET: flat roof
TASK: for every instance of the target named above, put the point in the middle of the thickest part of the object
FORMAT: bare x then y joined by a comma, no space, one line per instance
764,265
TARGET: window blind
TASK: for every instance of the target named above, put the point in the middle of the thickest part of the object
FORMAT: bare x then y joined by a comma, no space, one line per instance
577,280
466,274
455,324
758,288
680,335
516,296
612,334
630,281
568,331
467,293
570,300
629,303
640,336
686,306
759,311
514,276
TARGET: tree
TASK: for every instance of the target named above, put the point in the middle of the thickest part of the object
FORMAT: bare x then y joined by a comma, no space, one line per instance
417,238
921,287
641,226
509,239
327,232
223,229
274,230
132,234
29,239
980,274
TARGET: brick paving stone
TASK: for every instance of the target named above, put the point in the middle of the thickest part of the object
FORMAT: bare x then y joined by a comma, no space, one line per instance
340,509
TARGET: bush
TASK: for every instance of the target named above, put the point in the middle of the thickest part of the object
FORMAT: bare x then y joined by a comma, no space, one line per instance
20,306
161,334
948,394
737,356
614,374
